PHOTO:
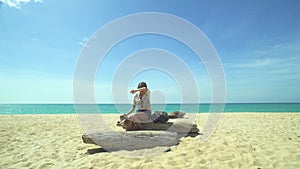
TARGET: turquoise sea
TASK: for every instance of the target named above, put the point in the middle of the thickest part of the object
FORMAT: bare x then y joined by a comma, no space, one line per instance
123,108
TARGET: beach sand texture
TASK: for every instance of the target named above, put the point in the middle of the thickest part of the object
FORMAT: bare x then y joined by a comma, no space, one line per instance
242,140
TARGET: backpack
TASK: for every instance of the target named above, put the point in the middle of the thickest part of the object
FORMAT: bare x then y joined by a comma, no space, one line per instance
160,117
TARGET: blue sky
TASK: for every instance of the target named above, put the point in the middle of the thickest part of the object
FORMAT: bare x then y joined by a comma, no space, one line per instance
258,43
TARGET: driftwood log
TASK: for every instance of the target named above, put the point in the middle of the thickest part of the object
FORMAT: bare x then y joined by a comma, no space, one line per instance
182,127
131,140
152,135
176,114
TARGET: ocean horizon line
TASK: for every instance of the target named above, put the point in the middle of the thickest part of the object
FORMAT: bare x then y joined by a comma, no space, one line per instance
123,108
152,103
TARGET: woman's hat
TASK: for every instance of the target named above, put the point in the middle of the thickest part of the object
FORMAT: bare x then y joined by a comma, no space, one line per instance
142,84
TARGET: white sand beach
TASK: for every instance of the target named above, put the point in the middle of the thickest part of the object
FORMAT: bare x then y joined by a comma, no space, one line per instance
242,140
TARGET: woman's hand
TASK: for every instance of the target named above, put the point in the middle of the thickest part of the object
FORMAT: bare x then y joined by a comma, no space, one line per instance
133,91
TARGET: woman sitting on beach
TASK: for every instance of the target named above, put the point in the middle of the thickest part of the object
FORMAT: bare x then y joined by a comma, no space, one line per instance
142,99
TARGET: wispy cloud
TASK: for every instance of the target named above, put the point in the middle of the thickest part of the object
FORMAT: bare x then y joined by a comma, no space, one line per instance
83,42
273,55
259,63
18,3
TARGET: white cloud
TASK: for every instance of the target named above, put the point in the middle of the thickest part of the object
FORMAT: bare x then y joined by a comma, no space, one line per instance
259,63
83,42
286,70
18,3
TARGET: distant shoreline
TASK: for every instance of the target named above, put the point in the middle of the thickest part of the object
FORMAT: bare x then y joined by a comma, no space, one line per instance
123,108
